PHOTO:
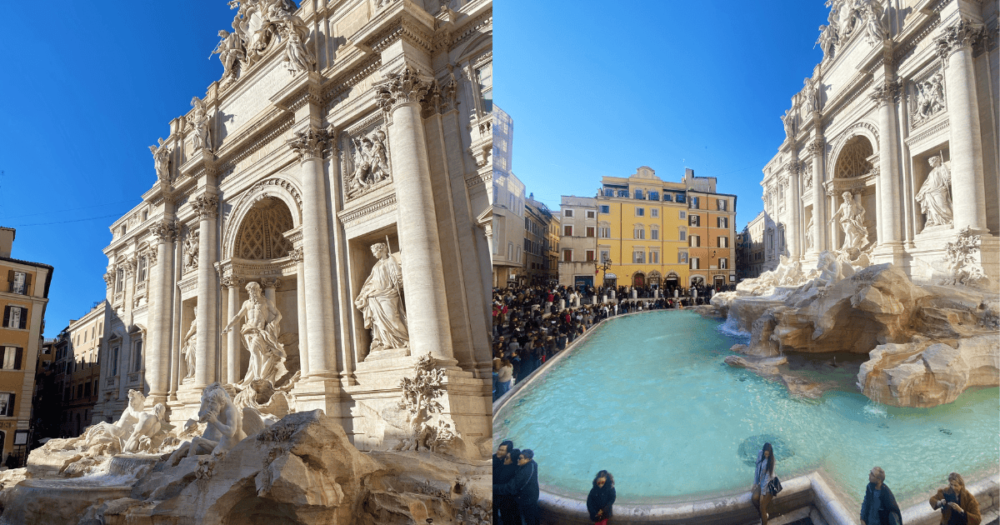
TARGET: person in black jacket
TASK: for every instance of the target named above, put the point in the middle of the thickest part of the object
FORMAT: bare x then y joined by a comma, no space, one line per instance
879,505
601,497
524,487
503,471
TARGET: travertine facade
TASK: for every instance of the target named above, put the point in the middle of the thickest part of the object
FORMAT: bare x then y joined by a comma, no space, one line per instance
897,131
335,127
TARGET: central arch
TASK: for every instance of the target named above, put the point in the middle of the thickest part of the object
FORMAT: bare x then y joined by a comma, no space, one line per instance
854,171
261,232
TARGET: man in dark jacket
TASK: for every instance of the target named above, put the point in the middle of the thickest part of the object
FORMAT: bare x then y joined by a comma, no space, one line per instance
524,487
502,474
879,506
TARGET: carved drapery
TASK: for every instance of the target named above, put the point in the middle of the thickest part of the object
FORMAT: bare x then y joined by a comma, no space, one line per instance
853,159
261,234
309,144
163,231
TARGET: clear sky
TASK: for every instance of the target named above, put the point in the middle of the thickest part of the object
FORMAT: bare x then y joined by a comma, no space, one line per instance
86,88
598,88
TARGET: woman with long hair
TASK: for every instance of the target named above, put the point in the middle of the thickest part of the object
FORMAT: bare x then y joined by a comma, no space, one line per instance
958,506
601,497
763,473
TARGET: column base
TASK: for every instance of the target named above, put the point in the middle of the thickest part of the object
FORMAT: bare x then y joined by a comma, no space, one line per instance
318,392
891,252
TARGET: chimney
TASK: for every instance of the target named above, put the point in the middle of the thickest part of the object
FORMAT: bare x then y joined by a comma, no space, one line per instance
688,173
6,241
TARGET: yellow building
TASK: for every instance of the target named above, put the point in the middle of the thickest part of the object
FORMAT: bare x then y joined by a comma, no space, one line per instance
22,300
667,234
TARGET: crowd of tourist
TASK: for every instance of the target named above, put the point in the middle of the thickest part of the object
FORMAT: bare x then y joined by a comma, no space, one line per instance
515,493
533,323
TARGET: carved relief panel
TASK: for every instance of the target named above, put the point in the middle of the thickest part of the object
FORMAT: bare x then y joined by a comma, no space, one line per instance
926,97
366,161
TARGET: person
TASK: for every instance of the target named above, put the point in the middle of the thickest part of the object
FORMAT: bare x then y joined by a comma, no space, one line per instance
958,506
879,506
503,471
763,473
601,498
524,487
505,377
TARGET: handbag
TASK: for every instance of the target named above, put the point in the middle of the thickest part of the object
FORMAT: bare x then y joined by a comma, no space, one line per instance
774,486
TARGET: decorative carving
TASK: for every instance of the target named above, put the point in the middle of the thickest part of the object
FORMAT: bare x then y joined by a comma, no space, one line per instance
295,254
298,58
809,233
370,157
401,88
960,35
935,194
151,258
963,259
811,92
202,126
789,121
222,433
231,53
930,98
206,206
827,39
109,279
144,435
163,231
191,250
875,21
429,428
259,23
308,144
816,147
261,331
885,93
261,234
271,282
161,161
381,303
852,221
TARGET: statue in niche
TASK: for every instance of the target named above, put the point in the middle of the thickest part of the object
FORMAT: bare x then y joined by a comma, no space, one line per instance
261,329
852,221
202,133
809,233
190,346
935,194
930,97
381,303
371,163
224,429
191,250
161,161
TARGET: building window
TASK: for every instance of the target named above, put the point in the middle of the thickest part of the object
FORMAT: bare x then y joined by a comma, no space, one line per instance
654,233
119,280
567,213
484,76
638,194
639,232
639,257
654,195
12,357
591,214
683,235
683,214
590,231
654,212
668,197
695,241
567,256
623,193
590,256
654,257
723,242
137,362
694,263
15,317
114,362
18,281
567,231
608,192
604,232
722,204
694,202
605,208
640,212
680,198
7,404
527,224
682,257
723,264
694,220
722,222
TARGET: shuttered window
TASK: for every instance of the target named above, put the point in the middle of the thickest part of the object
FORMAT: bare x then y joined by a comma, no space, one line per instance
7,404
15,317
11,356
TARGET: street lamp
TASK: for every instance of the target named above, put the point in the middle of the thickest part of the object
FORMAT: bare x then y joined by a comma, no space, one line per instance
605,264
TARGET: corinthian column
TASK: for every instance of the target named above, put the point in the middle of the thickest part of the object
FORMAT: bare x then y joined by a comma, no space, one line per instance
420,245
966,144
792,201
889,215
816,149
318,288
233,343
206,206
160,309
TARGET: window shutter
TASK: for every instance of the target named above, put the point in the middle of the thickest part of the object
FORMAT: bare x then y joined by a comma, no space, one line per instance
10,406
10,276
18,353
27,282
24,318
6,315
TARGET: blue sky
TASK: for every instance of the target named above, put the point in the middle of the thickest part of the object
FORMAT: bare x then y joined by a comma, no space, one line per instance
86,88
599,88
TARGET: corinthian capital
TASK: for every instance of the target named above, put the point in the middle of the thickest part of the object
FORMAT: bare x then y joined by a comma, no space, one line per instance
206,206
816,147
308,144
164,231
885,93
957,36
404,87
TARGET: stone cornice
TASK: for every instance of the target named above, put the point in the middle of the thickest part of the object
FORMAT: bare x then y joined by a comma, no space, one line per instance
263,138
348,216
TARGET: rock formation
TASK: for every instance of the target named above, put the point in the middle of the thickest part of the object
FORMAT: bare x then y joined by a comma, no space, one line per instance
926,343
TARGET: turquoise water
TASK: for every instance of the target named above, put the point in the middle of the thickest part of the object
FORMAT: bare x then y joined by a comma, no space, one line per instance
649,398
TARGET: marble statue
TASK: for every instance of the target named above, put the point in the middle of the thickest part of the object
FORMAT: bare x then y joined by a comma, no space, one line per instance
298,58
876,24
224,429
161,161
827,39
935,194
190,346
191,250
262,405
261,329
146,430
852,217
380,302
106,438
810,241
930,97
789,121
230,51
812,94
963,256
430,427
202,133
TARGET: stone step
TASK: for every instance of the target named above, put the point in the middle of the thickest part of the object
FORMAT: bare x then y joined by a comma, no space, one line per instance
796,517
